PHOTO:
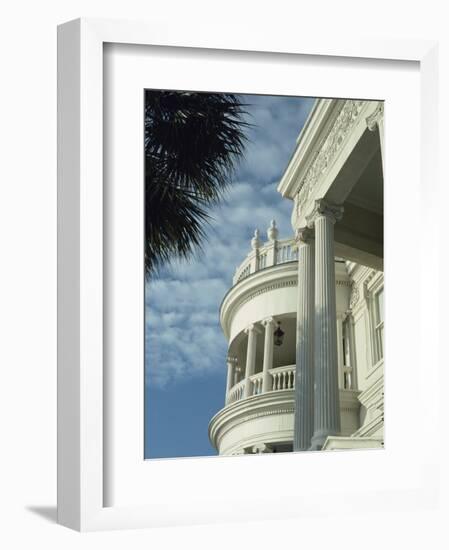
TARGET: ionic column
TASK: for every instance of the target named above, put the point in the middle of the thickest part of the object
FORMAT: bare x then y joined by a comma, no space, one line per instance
303,422
252,332
269,325
326,395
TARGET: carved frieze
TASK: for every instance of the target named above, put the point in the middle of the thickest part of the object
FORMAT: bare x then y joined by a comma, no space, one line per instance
326,154
355,295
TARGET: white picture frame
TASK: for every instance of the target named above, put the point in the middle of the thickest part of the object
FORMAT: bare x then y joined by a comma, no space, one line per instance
82,491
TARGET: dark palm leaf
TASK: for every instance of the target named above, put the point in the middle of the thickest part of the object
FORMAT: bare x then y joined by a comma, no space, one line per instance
192,142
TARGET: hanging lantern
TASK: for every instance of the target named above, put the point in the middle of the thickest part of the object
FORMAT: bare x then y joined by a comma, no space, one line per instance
278,335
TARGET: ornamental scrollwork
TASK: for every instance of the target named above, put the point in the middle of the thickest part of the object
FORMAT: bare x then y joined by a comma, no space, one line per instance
373,120
355,295
326,154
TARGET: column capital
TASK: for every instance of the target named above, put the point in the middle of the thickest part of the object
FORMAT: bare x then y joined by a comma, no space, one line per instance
303,235
252,328
373,120
268,321
231,359
326,209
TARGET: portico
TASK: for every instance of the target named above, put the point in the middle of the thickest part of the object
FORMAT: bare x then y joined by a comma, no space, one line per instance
322,387
335,179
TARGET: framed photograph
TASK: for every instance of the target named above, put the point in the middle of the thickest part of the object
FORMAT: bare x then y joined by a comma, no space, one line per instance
228,210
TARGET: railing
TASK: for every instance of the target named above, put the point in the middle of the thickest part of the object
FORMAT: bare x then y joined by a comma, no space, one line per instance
286,253
283,378
236,392
270,254
244,273
256,383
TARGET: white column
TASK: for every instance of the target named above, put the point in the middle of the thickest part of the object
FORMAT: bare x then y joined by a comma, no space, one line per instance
267,382
303,422
252,332
230,377
326,397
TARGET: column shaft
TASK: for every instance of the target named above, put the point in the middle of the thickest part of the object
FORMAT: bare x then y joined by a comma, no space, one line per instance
303,422
326,398
250,359
268,355
229,379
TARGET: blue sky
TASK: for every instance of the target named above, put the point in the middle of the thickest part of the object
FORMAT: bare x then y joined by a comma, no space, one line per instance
185,363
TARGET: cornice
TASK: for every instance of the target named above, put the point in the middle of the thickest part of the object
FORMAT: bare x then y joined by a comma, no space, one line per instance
370,427
373,393
307,145
266,280
266,404
223,430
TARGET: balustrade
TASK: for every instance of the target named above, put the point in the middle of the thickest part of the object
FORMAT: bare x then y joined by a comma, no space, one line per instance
256,381
282,378
268,255
286,253
236,392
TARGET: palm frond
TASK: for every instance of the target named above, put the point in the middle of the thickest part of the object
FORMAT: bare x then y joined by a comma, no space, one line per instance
192,143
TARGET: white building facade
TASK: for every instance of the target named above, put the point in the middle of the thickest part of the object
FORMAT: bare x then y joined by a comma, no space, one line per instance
304,317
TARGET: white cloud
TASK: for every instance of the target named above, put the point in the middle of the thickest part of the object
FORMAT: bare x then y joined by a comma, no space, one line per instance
183,336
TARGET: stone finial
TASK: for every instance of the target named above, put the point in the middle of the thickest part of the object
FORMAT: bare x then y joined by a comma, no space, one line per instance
272,231
255,241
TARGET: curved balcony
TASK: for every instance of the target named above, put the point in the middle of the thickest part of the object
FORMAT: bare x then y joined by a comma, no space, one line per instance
264,419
